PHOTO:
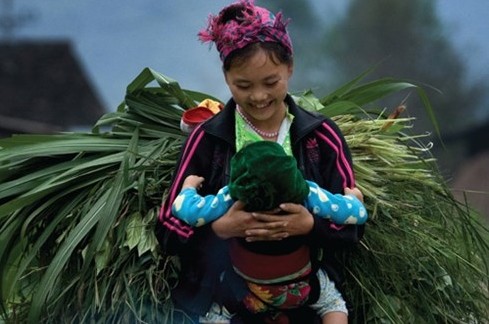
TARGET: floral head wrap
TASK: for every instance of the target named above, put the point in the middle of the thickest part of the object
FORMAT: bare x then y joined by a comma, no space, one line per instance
250,24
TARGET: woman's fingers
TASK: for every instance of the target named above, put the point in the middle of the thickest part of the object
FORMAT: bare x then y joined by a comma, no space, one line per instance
234,223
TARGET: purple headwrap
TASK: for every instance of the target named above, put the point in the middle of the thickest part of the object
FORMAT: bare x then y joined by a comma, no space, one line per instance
256,25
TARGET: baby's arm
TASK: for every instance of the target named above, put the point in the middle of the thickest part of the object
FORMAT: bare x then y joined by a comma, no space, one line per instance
341,209
196,210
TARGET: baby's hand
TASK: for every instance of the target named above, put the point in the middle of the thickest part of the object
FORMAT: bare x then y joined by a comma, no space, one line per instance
354,192
193,181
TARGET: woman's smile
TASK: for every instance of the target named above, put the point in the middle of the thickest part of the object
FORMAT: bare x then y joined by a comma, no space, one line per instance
260,108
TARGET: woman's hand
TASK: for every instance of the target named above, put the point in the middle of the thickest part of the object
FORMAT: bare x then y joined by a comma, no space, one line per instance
297,220
264,226
234,223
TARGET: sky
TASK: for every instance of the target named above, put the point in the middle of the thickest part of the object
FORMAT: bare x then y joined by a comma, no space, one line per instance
115,40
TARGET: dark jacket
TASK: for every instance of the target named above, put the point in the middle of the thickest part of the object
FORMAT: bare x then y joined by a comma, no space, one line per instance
322,156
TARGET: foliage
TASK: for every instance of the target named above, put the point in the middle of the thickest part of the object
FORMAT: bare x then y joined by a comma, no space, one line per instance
77,212
408,39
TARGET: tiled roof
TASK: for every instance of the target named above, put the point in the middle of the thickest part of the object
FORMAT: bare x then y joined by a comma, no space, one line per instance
44,83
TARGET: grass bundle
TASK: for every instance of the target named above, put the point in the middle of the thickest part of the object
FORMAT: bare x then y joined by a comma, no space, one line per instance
424,256
77,213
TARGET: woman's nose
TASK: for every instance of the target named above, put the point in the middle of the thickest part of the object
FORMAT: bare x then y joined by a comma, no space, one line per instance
258,95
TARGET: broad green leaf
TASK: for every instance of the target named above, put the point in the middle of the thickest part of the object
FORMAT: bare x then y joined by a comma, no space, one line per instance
110,210
133,231
48,281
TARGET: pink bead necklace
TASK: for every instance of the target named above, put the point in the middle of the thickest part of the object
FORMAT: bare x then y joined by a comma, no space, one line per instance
253,127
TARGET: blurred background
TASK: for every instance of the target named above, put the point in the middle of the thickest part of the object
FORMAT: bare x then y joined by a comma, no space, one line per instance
64,64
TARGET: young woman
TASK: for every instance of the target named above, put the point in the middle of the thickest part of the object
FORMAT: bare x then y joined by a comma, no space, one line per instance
257,62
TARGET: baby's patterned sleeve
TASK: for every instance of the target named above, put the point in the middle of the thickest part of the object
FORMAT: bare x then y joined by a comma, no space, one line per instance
340,209
197,210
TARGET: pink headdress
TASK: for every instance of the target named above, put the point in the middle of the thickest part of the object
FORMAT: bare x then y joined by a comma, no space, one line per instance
256,24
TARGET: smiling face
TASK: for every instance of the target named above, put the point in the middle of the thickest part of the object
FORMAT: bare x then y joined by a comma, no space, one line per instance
259,85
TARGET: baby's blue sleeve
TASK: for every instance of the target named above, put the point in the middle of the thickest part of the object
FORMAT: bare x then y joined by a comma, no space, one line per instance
341,209
196,210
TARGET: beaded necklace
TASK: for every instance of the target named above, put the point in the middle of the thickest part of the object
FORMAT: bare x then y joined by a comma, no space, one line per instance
246,135
253,127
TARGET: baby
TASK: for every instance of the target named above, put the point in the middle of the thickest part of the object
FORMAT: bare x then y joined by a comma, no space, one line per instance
277,272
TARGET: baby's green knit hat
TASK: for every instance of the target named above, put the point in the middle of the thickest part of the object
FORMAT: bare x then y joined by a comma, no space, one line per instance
263,176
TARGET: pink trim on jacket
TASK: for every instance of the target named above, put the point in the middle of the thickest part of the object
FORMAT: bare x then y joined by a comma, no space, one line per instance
341,161
167,219
344,168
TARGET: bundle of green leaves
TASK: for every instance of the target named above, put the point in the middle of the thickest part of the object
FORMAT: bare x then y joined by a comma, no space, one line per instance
77,216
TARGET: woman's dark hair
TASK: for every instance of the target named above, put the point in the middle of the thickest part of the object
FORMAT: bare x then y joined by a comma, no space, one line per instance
275,51
234,12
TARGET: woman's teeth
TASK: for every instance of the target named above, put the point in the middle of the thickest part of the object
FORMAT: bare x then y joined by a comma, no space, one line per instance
261,106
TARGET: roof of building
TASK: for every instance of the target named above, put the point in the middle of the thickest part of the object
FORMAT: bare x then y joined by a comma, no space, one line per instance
44,84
